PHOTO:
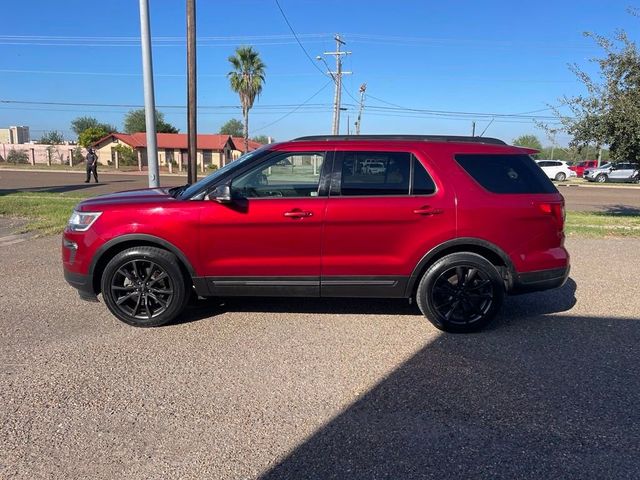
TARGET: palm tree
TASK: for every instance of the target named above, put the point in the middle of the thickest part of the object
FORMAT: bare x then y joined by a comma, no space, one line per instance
246,80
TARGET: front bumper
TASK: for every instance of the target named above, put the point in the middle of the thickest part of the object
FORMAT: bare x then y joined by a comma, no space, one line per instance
82,283
539,280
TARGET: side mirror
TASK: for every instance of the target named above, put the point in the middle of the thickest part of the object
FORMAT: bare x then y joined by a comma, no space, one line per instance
221,194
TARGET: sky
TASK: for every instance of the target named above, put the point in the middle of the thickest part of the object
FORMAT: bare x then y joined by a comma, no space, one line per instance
479,58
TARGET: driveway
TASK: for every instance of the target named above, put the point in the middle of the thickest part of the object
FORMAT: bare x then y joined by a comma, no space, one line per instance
364,389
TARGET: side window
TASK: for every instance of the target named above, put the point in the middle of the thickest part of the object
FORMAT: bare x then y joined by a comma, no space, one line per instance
292,174
506,173
375,173
422,182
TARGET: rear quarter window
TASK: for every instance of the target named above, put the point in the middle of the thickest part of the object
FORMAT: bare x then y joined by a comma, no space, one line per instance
511,173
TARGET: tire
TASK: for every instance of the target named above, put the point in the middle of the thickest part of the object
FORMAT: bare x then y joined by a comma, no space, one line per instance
144,287
602,178
561,176
460,310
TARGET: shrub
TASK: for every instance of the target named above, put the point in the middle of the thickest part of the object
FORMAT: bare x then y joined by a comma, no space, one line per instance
212,166
77,155
17,156
127,157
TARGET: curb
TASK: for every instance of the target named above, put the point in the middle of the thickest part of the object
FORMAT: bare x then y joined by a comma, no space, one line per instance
82,172
586,185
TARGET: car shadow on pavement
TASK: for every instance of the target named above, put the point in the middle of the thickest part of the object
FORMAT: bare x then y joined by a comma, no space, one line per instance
538,396
57,188
552,301
621,210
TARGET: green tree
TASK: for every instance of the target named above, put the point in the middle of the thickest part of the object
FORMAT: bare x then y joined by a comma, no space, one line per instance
52,138
80,124
529,141
233,127
126,156
609,112
246,79
134,121
263,139
92,135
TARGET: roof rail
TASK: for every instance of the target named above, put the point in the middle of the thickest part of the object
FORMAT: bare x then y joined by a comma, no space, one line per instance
420,138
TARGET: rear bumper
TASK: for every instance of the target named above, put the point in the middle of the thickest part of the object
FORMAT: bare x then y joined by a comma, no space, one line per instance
539,280
82,283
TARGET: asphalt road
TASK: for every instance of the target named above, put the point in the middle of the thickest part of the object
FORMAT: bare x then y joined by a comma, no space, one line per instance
578,198
310,389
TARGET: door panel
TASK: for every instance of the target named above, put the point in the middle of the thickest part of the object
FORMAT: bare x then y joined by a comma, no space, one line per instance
267,240
380,238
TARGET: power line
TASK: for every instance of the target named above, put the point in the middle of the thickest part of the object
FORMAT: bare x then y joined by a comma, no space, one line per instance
380,110
450,112
126,74
136,39
297,39
295,109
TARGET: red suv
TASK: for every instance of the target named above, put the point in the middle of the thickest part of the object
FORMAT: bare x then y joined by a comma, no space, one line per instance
579,168
454,222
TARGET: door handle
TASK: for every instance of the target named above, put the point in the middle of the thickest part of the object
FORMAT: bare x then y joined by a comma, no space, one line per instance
298,214
427,210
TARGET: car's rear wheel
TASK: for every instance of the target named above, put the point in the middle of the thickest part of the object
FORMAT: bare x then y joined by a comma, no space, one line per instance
602,178
561,176
144,286
461,292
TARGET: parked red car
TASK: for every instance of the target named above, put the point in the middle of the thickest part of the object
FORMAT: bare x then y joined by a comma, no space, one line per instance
579,168
454,222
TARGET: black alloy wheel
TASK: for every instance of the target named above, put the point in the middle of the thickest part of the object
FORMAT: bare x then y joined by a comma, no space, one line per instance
144,286
462,295
461,292
142,289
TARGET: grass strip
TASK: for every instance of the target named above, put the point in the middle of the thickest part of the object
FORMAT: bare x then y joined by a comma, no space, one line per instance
47,213
600,224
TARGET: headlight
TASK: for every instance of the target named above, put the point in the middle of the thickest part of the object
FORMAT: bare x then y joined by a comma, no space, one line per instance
82,221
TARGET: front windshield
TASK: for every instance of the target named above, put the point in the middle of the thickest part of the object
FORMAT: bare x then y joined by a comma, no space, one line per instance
210,179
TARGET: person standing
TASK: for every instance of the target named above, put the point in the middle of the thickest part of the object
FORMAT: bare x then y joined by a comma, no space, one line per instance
92,165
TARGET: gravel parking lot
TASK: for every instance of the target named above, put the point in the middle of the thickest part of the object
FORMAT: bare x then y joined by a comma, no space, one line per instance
343,388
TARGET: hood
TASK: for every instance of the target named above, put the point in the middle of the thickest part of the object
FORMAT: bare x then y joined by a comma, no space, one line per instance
145,195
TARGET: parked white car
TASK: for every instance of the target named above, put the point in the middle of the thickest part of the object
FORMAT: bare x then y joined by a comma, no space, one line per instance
556,169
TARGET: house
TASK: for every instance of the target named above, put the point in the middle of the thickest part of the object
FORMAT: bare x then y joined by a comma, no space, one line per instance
239,143
214,150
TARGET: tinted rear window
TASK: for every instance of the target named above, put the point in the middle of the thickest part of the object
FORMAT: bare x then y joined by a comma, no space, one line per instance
506,173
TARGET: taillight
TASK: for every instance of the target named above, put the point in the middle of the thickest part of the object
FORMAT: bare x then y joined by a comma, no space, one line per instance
556,210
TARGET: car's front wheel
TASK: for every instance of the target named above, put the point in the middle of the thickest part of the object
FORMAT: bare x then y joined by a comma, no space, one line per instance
602,178
461,292
144,286
561,176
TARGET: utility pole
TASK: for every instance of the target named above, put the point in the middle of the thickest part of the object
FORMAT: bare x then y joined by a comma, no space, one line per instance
599,156
337,79
149,97
473,128
363,89
191,93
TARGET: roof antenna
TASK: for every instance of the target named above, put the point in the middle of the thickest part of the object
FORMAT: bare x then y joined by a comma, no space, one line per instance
485,129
